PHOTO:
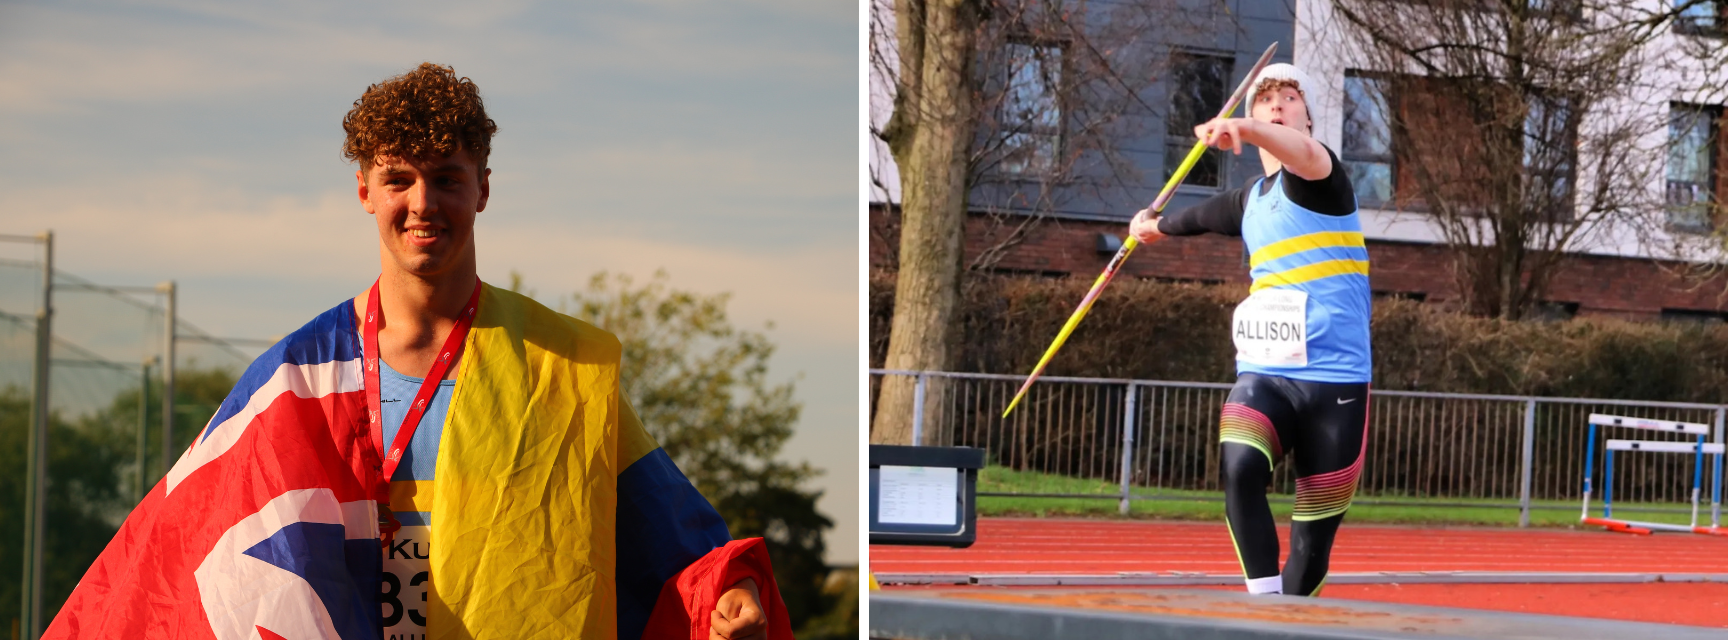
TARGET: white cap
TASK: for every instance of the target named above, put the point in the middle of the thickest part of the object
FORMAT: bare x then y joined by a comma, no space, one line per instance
1282,71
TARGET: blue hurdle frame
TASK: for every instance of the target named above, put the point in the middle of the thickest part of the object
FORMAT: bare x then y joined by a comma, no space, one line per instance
1698,448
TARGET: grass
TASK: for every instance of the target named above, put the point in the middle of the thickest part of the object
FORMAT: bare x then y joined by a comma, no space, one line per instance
1176,504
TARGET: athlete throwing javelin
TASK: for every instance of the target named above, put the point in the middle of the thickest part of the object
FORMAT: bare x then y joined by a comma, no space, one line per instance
1302,352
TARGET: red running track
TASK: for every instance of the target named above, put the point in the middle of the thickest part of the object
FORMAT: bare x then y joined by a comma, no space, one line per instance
1031,546
1043,545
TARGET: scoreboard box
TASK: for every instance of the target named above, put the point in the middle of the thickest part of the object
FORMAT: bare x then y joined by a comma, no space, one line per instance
924,495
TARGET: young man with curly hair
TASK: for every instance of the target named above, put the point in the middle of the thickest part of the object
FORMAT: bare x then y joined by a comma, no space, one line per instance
1302,341
435,458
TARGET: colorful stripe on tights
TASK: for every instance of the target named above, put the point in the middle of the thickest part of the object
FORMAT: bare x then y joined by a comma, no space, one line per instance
1324,495
1241,424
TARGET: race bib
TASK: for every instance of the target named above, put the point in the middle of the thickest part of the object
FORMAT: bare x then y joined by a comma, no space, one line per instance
406,563
1271,328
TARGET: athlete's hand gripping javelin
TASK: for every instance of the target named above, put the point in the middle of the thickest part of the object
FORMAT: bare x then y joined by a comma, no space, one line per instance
1144,226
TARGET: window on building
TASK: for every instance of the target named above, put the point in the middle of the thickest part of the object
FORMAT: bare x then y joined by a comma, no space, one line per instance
1550,151
1367,152
1031,118
1695,316
1692,151
1198,88
1701,18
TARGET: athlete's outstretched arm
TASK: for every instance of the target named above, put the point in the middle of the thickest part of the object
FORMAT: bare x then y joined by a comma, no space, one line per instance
1300,154
1221,214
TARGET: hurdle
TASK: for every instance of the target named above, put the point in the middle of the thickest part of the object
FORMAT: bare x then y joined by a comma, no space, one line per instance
1697,449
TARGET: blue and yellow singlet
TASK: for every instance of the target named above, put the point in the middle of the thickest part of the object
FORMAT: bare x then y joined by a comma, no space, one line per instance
1295,254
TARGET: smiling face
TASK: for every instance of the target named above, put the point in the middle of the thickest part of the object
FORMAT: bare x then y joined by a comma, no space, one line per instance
425,210
1278,102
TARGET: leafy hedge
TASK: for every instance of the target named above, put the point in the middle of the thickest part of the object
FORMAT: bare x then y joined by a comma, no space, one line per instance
1170,331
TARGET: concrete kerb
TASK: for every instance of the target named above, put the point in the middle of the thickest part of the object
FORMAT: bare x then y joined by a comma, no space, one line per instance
1171,614
1185,579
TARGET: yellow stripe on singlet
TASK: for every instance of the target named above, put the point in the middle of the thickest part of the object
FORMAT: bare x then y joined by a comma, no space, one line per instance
1310,272
1305,242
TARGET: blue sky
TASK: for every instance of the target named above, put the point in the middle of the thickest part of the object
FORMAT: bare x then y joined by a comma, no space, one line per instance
200,141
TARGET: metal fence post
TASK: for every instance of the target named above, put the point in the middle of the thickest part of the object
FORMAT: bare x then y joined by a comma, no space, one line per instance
1525,466
1716,481
918,410
30,623
168,336
1128,445
143,429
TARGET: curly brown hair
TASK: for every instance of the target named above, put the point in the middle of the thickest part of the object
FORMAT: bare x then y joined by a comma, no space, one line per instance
1274,84
427,111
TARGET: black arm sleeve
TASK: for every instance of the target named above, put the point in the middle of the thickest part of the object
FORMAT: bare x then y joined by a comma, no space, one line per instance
1221,214
1331,195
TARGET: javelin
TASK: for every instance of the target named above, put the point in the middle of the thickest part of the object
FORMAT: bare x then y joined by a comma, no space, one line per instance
1129,244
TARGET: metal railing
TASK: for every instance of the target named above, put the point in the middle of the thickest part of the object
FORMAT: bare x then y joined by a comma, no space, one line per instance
1423,448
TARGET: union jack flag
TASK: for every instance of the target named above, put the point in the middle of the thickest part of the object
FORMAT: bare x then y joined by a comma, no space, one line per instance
264,527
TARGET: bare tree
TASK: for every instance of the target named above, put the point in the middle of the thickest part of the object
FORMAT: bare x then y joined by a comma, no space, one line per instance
1026,102
1521,128
930,135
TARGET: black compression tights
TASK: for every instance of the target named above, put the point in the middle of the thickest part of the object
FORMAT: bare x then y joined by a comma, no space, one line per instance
1325,427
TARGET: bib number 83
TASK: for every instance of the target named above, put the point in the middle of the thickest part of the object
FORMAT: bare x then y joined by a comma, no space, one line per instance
391,598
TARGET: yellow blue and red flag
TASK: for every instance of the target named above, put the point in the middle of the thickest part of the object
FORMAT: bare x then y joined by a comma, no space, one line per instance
557,515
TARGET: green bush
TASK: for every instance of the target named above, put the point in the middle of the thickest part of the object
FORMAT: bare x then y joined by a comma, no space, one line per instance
1146,329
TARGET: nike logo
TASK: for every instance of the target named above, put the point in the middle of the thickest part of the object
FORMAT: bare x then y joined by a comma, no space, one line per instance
1343,401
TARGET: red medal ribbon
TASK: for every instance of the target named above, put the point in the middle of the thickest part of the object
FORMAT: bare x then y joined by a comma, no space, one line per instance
423,399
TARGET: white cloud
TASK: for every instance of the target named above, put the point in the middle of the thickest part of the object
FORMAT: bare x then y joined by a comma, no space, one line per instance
198,50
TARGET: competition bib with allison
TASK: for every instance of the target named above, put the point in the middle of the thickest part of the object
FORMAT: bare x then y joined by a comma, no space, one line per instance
1270,328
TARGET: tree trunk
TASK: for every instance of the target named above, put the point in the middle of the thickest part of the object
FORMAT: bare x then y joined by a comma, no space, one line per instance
929,137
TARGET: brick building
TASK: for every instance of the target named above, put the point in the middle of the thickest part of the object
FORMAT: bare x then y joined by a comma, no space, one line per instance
1613,275
1625,287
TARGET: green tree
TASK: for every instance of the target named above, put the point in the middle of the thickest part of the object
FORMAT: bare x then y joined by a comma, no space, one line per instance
701,388
91,474
85,495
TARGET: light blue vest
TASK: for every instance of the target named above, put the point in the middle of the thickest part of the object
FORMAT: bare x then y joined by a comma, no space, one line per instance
1324,256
